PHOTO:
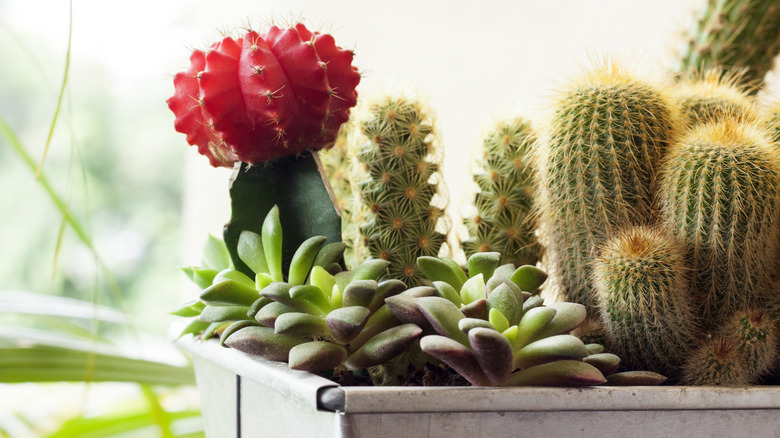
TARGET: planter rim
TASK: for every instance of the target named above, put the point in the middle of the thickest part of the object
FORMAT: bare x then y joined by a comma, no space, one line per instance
323,394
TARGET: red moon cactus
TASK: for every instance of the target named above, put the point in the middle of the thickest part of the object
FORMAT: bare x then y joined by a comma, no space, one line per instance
261,97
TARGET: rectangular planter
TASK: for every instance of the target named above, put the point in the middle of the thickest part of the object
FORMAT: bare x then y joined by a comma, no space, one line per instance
246,397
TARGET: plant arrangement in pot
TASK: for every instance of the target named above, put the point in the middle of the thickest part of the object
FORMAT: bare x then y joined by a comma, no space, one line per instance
623,201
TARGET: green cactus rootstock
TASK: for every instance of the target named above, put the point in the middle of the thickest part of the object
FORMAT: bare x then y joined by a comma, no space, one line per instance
642,286
402,217
712,94
502,221
596,162
742,34
720,193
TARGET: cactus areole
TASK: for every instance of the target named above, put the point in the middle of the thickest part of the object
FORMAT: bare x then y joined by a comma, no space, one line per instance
260,97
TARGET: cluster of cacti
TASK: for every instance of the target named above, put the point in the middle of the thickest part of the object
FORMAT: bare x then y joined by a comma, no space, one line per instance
494,330
316,317
402,216
597,161
742,34
502,220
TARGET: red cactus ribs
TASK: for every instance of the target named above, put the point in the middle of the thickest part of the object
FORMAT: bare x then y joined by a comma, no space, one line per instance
261,97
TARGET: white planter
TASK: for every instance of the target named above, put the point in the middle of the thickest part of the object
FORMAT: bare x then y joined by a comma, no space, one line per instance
247,397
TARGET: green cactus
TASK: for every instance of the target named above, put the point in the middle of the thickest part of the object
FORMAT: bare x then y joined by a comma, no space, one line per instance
712,94
755,336
642,286
718,362
729,34
502,221
596,167
316,317
720,194
497,332
336,163
403,217
773,121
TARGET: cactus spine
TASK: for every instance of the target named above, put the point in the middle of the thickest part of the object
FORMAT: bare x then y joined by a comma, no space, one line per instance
712,94
719,192
596,169
503,202
734,33
404,218
642,288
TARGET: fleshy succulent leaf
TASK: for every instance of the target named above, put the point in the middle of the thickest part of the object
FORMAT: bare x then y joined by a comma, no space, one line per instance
330,253
476,309
215,254
507,301
635,378
532,302
234,327
567,317
484,263
607,363
383,347
493,352
529,278
267,314
312,298
229,293
457,356
531,323
223,313
437,269
386,289
443,317
498,320
303,259
360,293
553,348
346,322
250,251
446,290
467,324
263,342
316,356
378,322
257,305
272,243
190,308
303,324
234,275
558,373
202,277
473,289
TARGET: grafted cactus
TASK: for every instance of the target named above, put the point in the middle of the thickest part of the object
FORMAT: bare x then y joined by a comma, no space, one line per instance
733,34
403,212
502,221
498,332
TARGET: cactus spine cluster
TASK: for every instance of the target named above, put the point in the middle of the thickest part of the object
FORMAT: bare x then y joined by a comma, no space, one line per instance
402,207
642,287
720,193
755,336
734,33
717,362
503,203
596,167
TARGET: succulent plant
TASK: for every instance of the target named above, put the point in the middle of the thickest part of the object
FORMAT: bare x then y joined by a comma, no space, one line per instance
720,194
733,34
717,362
712,94
502,221
315,316
754,334
497,332
642,286
260,97
402,217
597,162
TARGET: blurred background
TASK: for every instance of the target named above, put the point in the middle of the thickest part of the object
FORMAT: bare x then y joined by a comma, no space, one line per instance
144,201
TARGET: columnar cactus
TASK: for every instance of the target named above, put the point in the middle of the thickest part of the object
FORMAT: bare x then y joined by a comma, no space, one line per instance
597,163
642,286
712,94
502,222
720,194
734,33
404,217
